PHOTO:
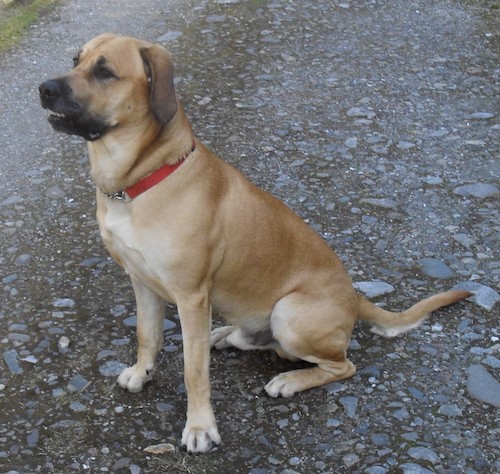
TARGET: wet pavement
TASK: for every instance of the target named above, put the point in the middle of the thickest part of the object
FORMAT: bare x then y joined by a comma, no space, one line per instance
377,121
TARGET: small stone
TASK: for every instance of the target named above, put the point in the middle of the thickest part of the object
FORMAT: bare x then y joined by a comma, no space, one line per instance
64,303
436,268
77,383
24,259
484,296
360,112
163,407
170,36
350,405
134,469
423,454
112,368
215,18
478,190
483,386
205,101
481,116
249,105
490,360
350,459
402,145
464,239
10,358
401,414
372,289
385,203
55,192
432,180
118,310
33,437
63,345
376,470
412,468
381,439
162,448
77,407
450,411
351,142
121,463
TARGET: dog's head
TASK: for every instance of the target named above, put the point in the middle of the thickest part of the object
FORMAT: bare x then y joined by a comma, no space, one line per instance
116,82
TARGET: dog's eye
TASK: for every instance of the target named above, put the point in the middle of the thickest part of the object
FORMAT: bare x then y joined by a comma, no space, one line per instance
102,73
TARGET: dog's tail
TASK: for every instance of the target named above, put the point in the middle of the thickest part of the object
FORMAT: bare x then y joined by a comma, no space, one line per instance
389,324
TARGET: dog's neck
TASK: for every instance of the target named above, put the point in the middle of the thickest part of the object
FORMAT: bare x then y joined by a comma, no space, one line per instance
117,161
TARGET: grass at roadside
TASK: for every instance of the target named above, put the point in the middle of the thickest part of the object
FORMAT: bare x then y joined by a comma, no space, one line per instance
16,17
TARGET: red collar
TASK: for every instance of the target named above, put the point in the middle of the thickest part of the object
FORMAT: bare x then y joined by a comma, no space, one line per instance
131,192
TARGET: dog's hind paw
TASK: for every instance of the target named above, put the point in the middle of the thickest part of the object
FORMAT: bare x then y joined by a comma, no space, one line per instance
218,338
133,379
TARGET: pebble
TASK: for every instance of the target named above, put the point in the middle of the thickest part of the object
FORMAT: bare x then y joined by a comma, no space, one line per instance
112,368
170,36
481,116
423,454
77,383
64,303
162,448
432,180
63,345
350,405
464,239
372,289
482,386
384,203
360,112
478,190
450,410
492,362
484,296
411,468
10,358
24,259
435,268
55,192
350,459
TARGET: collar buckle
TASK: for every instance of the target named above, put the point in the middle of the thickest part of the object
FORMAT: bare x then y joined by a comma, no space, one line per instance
119,196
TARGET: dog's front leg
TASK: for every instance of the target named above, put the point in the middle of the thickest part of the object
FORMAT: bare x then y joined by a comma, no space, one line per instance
200,433
150,315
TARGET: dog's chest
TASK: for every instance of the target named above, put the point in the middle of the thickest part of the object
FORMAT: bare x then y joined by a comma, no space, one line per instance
133,246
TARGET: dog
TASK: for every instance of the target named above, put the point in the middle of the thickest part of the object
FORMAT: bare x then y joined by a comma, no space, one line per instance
191,230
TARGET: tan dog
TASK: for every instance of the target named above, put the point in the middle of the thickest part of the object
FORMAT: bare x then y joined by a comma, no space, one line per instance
191,230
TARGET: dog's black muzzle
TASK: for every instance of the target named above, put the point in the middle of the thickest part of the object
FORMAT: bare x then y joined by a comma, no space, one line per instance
67,115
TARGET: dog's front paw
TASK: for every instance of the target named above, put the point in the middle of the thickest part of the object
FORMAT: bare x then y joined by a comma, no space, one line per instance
133,379
200,439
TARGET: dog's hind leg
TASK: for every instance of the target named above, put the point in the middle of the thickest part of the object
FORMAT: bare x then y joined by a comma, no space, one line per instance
308,329
242,338
150,315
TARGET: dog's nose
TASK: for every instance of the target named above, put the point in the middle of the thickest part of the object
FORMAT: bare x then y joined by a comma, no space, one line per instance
50,89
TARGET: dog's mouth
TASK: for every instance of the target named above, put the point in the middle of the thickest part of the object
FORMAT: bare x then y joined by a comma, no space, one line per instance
68,116
88,128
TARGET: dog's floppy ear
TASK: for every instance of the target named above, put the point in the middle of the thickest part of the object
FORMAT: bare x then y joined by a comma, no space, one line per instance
160,72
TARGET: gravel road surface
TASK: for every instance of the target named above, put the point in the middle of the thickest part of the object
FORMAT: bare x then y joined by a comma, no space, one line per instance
376,121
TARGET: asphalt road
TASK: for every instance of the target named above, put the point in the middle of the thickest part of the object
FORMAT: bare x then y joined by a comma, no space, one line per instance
378,123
